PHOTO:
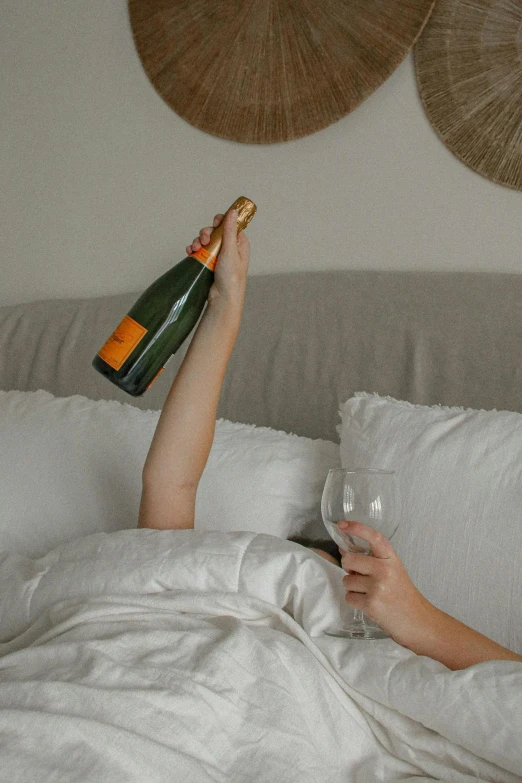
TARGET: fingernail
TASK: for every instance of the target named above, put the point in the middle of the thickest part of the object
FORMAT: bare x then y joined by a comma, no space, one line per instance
234,212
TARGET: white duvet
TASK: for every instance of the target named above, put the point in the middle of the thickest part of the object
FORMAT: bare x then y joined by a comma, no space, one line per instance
146,656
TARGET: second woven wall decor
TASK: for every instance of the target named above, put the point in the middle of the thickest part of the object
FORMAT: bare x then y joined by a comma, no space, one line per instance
264,71
469,71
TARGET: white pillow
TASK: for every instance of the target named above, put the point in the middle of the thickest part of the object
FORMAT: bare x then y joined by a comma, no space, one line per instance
72,466
460,476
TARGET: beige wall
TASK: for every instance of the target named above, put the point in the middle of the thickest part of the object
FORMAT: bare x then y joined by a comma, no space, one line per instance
103,185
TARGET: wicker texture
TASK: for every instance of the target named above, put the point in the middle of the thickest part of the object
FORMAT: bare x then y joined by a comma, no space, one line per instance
469,71
264,71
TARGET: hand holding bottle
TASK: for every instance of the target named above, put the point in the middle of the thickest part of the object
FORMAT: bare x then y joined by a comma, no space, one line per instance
165,314
232,264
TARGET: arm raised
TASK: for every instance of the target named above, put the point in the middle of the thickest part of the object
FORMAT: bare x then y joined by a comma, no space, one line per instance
185,429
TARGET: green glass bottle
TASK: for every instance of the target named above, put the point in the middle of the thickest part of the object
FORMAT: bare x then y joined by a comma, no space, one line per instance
164,315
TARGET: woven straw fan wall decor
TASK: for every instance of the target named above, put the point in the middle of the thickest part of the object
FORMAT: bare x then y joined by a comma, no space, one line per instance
264,71
469,71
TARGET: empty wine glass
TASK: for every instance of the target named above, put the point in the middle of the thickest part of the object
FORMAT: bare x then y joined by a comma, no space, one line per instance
360,495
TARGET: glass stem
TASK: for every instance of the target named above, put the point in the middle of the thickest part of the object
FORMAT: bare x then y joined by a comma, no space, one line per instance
358,616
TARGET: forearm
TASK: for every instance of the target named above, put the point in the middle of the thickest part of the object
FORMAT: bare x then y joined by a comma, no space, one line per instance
185,430
454,644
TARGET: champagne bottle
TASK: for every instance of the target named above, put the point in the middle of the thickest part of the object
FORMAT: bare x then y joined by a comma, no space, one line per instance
164,315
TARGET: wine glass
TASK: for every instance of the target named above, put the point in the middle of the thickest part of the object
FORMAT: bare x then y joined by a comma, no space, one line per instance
360,495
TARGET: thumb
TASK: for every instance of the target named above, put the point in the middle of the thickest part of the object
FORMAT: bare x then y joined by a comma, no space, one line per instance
230,230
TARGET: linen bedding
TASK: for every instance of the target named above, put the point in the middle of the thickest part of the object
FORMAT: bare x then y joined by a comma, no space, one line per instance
169,656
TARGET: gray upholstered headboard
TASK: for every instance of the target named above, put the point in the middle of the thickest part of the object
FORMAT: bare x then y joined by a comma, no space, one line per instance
307,342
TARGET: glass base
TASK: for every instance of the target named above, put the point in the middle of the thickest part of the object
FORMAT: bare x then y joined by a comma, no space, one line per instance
355,624
359,632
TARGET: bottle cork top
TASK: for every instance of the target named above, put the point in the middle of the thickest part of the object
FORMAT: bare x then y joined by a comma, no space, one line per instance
208,254
246,210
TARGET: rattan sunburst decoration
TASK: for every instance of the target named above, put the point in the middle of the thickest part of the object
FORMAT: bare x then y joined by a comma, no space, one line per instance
469,71
264,71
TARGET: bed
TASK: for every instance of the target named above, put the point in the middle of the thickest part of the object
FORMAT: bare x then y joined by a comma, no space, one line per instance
200,655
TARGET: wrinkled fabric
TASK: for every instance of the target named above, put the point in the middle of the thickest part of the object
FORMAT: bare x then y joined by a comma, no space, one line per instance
182,655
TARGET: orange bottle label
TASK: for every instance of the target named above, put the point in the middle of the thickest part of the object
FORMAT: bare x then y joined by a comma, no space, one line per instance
206,258
152,381
122,342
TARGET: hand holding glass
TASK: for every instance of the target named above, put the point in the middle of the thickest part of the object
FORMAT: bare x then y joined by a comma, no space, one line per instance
361,495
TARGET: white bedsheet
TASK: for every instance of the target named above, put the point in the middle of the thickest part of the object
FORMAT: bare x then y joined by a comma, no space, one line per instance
187,656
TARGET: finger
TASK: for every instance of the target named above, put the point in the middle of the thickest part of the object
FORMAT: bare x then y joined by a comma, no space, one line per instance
243,242
230,230
217,220
380,545
356,583
196,244
204,235
360,564
243,246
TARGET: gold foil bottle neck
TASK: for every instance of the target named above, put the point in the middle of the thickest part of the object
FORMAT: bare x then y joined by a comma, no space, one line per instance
246,210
